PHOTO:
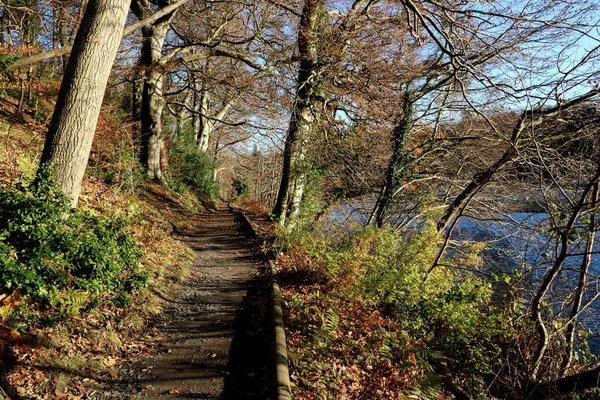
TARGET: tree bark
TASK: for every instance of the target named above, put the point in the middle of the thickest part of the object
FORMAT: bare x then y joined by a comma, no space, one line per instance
396,170
204,124
153,101
73,124
294,174
153,104
137,88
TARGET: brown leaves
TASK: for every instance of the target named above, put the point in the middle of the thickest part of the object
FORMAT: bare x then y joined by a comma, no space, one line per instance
110,362
13,299
352,363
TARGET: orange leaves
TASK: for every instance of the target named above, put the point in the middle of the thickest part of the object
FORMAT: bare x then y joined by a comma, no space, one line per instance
13,299
23,49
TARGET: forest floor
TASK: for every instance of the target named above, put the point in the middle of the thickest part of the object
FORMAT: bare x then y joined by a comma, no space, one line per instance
213,333
209,342
197,331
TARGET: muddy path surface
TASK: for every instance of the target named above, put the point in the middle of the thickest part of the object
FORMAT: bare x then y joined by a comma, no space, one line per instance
213,333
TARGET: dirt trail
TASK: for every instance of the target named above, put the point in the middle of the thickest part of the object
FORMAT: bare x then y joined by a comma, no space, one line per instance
214,326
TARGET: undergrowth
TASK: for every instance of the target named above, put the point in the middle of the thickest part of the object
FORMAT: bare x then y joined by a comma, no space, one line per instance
192,170
72,285
45,247
364,321
70,308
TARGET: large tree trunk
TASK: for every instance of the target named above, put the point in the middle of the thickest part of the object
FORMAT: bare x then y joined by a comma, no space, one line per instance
153,104
294,174
73,125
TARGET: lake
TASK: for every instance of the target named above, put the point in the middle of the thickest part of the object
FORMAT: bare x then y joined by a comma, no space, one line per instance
518,244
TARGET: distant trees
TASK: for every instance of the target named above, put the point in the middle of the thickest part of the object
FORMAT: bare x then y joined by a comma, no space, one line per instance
152,100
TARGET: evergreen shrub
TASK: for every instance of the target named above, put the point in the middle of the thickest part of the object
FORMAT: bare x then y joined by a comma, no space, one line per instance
44,244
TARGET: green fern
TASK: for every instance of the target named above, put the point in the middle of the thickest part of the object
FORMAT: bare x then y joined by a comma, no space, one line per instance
428,389
69,301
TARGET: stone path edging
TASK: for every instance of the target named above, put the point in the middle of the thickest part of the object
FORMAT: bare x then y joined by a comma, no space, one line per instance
281,387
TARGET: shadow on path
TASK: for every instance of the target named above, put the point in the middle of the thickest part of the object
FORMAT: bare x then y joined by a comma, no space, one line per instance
214,328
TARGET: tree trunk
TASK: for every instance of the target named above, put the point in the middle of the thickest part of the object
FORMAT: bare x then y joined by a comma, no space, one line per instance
62,34
294,174
153,101
208,125
2,27
73,124
205,125
182,114
581,284
196,106
396,170
153,104
21,95
137,88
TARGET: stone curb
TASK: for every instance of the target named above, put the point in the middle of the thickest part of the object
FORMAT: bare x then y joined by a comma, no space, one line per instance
280,383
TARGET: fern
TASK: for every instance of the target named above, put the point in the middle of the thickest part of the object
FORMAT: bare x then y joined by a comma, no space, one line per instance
428,389
330,321
326,333
69,301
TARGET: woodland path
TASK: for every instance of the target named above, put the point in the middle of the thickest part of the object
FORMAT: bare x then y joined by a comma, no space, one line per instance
214,326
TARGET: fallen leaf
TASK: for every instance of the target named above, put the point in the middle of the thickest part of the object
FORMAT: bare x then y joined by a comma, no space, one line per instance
110,362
